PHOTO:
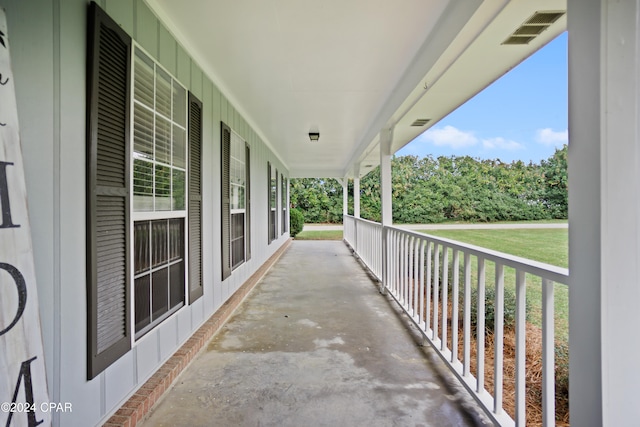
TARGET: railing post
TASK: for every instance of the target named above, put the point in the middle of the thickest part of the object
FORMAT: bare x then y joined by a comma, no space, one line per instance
385,261
355,236
548,353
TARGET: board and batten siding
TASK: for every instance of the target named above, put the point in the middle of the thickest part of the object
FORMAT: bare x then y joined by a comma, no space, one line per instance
49,59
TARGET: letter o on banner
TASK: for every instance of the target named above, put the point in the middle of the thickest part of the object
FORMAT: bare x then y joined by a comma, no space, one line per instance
18,278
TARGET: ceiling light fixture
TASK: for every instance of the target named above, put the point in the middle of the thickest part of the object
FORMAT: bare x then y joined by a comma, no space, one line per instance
314,136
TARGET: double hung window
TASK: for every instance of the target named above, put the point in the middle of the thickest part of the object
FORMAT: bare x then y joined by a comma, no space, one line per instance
236,201
238,207
138,170
159,154
272,176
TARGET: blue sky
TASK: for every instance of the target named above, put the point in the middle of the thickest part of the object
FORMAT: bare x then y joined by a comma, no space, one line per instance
522,116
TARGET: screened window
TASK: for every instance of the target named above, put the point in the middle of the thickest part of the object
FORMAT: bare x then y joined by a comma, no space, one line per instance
159,188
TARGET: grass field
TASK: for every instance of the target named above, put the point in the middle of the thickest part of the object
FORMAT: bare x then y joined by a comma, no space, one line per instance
319,235
545,245
548,245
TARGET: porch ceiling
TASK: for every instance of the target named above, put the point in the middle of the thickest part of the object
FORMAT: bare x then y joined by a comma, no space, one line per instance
350,68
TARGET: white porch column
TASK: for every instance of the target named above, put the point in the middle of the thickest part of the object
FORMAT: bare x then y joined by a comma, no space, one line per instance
604,211
386,136
345,196
356,195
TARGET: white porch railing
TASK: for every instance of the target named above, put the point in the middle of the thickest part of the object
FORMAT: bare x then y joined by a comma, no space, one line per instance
365,237
422,271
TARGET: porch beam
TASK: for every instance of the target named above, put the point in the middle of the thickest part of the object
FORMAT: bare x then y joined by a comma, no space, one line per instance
604,210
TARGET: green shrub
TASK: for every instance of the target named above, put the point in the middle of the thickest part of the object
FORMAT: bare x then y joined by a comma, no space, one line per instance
489,308
296,220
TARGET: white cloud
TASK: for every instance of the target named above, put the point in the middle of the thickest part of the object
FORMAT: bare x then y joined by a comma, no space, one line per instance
501,144
451,137
548,136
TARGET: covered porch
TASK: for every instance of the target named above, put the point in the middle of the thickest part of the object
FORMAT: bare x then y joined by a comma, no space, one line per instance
315,343
366,78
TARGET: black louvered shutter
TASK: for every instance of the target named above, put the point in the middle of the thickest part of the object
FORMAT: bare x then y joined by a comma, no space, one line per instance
108,115
247,192
195,198
226,201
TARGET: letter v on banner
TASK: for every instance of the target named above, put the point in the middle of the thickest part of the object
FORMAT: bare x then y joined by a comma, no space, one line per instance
23,381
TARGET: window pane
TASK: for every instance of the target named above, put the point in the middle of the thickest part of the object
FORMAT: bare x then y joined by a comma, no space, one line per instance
237,225
178,193
163,140
141,257
176,239
237,172
237,252
179,104
142,294
142,185
143,80
163,188
159,242
163,93
143,132
237,197
179,147
176,277
160,292
237,239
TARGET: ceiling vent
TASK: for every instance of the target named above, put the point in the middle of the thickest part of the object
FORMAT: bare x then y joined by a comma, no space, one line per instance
518,40
533,27
420,122
544,18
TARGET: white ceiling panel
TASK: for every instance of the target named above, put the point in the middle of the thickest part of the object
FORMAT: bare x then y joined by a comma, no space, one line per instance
347,68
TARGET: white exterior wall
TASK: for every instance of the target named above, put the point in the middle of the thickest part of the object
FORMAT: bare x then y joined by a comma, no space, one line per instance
48,42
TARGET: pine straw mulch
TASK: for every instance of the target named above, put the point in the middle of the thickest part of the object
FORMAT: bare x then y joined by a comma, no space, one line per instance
533,374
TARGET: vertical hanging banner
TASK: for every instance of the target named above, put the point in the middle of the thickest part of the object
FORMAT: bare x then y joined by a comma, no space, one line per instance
24,397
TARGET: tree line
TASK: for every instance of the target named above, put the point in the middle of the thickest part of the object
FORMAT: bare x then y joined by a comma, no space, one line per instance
455,188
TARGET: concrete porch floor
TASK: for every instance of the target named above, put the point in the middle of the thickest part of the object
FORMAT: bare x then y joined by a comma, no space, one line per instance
315,344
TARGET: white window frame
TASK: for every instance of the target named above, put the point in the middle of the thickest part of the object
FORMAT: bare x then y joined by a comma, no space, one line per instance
152,215
238,145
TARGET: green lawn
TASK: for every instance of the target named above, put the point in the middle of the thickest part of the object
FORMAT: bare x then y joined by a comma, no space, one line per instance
548,245
319,235
545,245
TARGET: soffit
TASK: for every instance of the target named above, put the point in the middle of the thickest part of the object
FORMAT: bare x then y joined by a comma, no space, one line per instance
350,68
292,65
